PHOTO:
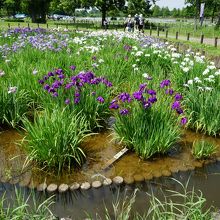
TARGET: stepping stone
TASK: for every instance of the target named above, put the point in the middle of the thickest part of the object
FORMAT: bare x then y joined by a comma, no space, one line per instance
157,174
25,179
63,188
148,176
85,186
129,180
107,182
118,180
138,178
174,169
166,173
74,186
52,188
197,164
184,168
42,187
96,184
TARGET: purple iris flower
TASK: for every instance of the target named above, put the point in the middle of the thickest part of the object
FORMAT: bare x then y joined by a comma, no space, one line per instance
124,111
93,93
46,77
61,76
184,120
55,94
179,111
68,85
152,99
124,97
73,67
51,90
50,74
114,106
151,92
138,95
146,105
67,101
164,83
169,92
41,81
178,97
100,99
176,105
77,94
59,71
142,87
76,100
47,87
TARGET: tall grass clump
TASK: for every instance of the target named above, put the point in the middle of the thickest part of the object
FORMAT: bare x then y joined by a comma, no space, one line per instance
83,93
203,109
20,208
186,204
148,121
54,139
14,104
202,149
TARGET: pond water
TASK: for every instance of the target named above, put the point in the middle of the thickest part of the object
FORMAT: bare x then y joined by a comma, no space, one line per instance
99,149
77,204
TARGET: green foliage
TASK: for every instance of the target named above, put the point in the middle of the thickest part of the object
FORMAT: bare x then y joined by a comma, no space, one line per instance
14,105
139,6
54,139
148,131
183,204
203,111
202,149
21,209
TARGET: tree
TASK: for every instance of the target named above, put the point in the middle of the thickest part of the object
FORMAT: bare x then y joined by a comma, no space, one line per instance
11,6
213,5
165,12
65,6
37,9
156,11
104,5
139,7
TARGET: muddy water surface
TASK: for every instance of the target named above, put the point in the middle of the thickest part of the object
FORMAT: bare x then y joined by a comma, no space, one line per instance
99,149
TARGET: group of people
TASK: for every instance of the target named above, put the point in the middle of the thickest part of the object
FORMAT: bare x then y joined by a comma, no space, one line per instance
136,23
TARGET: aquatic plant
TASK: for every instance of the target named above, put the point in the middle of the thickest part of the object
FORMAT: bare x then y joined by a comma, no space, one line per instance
20,208
14,104
83,93
203,110
148,120
184,204
202,149
53,139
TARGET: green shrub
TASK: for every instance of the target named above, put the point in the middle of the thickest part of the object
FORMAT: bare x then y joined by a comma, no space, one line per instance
54,139
203,149
146,123
14,104
18,207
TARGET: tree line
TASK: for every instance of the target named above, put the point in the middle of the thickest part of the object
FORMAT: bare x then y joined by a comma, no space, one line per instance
38,9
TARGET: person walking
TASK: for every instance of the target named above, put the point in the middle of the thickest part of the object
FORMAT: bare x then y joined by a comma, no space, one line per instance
141,23
128,23
136,21
105,23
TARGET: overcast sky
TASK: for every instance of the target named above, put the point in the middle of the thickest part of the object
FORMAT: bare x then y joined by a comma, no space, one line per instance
171,3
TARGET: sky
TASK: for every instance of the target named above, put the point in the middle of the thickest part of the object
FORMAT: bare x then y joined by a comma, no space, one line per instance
171,3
